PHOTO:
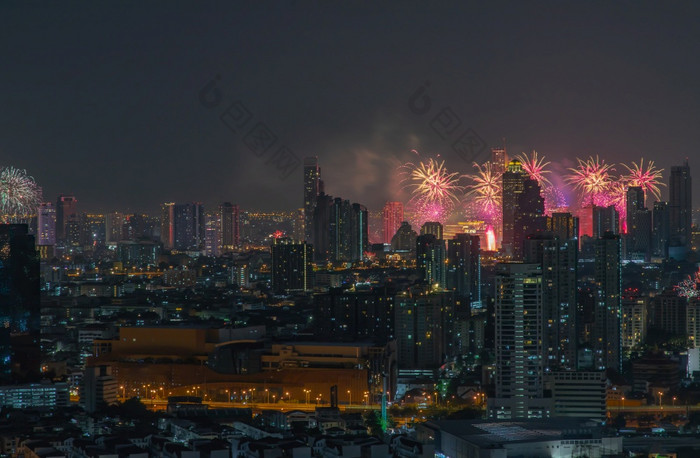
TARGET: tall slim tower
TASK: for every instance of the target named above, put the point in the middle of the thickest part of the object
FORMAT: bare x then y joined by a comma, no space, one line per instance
464,267
167,225
607,343
529,215
312,188
66,211
680,205
46,224
292,266
513,183
661,232
430,259
519,365
392,218
499,159
229,215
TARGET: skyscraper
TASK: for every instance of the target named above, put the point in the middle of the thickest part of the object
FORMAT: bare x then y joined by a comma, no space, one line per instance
392,218
519,365
558,260
66,211
529,215
114,227
341,230
312,188
212,234
432,227
464,267
430,260
321,223
292,266
499,159
46,224
188,222
608,306
20,354
404,240
605,219
634,200
513,181
662,231
563,225
229,217
680,205
167,225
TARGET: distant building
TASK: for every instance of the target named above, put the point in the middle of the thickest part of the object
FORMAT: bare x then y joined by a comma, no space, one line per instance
188,222
430,260
229,219
662,229
312,188
46,224
634,322
392,218
432,228
605,219
141,253
608,295
680,205
99,389
513,181
66,210
114,227
404,240
292,266
463,270
35,395
212,235
577,394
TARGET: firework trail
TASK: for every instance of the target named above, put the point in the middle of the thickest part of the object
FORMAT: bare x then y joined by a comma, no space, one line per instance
535,167
486,190
592,178
19,195
434,190
648,178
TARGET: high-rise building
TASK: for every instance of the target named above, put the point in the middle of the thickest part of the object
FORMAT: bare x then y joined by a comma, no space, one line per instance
519,351
66,211
188,227
229,218
464,267
680,205
341,230
430,260
423,328
634,200
46,224
558,261
633,322
321,228
20,354
669,313
433,228
641,235
212,234
608,297
563,225
99,389
499,158
513,181
312,188
292,266
167,225
114,227
605,219
404,240
392,218
529,215
662,230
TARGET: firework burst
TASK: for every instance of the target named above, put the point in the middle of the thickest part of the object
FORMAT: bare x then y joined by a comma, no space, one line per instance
486,189
646,177
689,287
19,195
592,178
535,167
434,190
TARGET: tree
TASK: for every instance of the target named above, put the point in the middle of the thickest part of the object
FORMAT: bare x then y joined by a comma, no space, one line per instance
373,422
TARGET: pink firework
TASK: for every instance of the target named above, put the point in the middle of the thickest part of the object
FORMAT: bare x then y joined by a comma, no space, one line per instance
535,167
434,190
592,178
486,190
689,287
554,200
648,178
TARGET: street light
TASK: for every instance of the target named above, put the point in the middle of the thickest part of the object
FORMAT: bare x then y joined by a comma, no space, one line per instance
674,401
349,397
661,394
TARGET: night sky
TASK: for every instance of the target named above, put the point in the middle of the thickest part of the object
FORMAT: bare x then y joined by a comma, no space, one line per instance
104,101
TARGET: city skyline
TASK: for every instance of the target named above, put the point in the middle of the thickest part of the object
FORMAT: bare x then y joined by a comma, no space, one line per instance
146,134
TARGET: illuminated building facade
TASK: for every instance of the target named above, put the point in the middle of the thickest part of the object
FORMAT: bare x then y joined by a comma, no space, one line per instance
392,218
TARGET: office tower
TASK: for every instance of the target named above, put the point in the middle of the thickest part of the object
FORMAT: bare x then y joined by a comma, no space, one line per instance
358,232
93,230
433,228
634,200
464,267
529,215
350,316
608,297
392,218
321,228
99,389
212,234
605,219
423,328
298,225
404,239
558,261
680,205
188,227
66,210
46,224
519,365
74,232
430,260
344,226
292,266
662,231
641,235
312,188
633,322
229,217
513,181
499,159
693,322
563,225
167,227
20,354
114,227
669,313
